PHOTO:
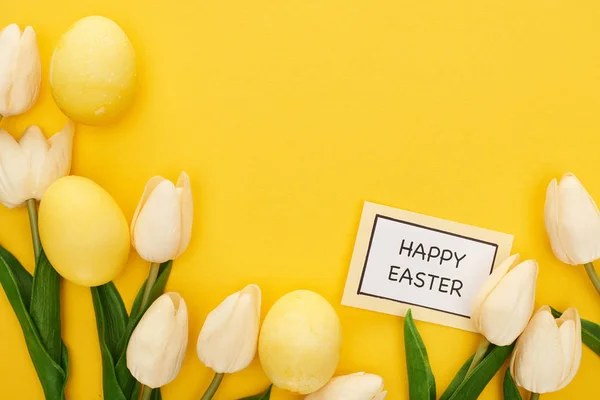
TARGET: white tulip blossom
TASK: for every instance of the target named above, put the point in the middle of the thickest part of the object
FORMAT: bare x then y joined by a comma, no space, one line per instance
157,346
572,221
161,228
359,386
548,353
30,166
20,70
505,302
228,340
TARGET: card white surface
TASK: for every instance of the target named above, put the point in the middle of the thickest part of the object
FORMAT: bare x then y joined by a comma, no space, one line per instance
435,267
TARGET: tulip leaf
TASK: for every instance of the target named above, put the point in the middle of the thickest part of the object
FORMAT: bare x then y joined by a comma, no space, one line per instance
115,329
110,384
17,284
511,392
590,332
460,376
474,382
45,306
421,382
266,395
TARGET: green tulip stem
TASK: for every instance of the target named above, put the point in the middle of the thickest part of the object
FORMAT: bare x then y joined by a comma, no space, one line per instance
33,225
214,385
146,393
534,396
589,268
149,284
479,354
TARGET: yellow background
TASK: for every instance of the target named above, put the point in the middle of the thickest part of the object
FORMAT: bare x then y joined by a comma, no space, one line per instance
288,115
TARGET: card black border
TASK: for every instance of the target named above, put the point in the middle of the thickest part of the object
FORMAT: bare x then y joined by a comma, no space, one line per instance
362,275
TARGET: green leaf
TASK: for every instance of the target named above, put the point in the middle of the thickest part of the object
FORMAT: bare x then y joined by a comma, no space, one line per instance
110,384
510,389
156,395
474,383
460,376
45,306
266,395
590,332
421,382
53,376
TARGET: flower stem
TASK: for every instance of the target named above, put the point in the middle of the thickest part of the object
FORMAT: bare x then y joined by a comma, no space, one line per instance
149,284
589,268
146,393
33,225
534,396
479,354
214,385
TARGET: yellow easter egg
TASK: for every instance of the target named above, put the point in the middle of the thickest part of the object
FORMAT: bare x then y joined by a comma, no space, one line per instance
300,341
92,72
83,231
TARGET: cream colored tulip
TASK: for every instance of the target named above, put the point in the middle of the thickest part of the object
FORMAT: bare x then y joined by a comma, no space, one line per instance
20,70
157,346
29,167
505,302
548,353
572,221
162,224
227,342
359,386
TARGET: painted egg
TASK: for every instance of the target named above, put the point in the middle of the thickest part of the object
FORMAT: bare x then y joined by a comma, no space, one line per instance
300,341
83,231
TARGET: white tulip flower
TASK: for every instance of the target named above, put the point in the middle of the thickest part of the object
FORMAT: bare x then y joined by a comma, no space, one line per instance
20,70
228,340
359,386
548,353
162,224
157,346
572,221
505,302
30,166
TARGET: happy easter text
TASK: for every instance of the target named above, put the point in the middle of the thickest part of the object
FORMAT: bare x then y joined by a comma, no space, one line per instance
433,255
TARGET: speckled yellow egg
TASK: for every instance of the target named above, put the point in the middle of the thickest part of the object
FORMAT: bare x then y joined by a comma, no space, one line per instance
92,73
300,341
83,231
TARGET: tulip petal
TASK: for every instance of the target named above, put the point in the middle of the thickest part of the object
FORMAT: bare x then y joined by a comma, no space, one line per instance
359,386
187,211
14,172
489,285
537,359
579,221
34,145
10,38
228,339
158,225
27,74
551,221
149,188
570,335
157,346
57,162
506,311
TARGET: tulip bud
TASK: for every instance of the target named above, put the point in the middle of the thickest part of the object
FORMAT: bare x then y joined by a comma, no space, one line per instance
547,355
572,221
20,70
162,224
157,346
505,302
228,339
29,167
359,386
